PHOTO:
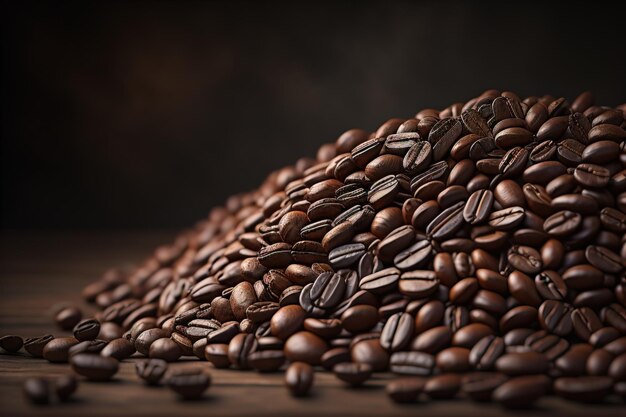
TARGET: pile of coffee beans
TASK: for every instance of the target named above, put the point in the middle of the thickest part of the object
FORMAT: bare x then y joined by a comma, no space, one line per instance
478,251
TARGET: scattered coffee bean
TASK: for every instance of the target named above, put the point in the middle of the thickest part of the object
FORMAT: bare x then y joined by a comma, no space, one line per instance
151,370
189,384
94,367
65,386
11,343
37,391
299,378
68,317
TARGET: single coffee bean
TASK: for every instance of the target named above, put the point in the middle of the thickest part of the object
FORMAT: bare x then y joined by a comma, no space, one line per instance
433,340
479,386
522,391
266,360
478,207
443,386
573,362
87,330
397,332
88,346
166,349
299,378
37,391
35,345
11,343
583,388
418,283
405,390
522,363
151,370
555,317
593,176
189,384
453,359
359,318
305,347
94,367
484,354
65,386
217,354
68,317
353,373
57,350
412,363
239,348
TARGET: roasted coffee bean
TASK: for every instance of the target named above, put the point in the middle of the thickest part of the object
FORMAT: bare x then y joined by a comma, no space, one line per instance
65,386
418,157
405,390
443,386
453,359
151,370
604,259
261,311
506,218
418,283
555,317
479,386
217,354
353,373
583,388
299,378
346,255
590,175
415,255
443,135
397,333
11,343
574,360
239,348
94,367
525,259
359,318
146,338
521,391
87,346
87,330
368,350
35,345
305,347
412,363
522,363
380,282
478,207
37,391
189,384
57,350
68,317
166,349
447,223
484,354
266,360
551,286
327,290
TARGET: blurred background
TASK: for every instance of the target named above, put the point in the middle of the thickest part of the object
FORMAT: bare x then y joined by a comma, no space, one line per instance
143,115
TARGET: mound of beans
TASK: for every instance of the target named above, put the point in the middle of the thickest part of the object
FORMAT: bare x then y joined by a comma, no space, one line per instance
474,251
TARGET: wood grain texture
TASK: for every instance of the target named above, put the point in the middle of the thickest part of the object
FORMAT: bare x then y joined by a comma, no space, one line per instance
40,270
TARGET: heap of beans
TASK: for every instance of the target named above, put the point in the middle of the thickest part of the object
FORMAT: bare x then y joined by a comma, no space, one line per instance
477,250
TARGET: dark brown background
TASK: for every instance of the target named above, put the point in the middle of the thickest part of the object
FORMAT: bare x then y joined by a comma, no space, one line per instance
144,115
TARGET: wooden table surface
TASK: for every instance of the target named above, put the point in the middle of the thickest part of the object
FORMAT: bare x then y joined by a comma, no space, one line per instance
38,270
